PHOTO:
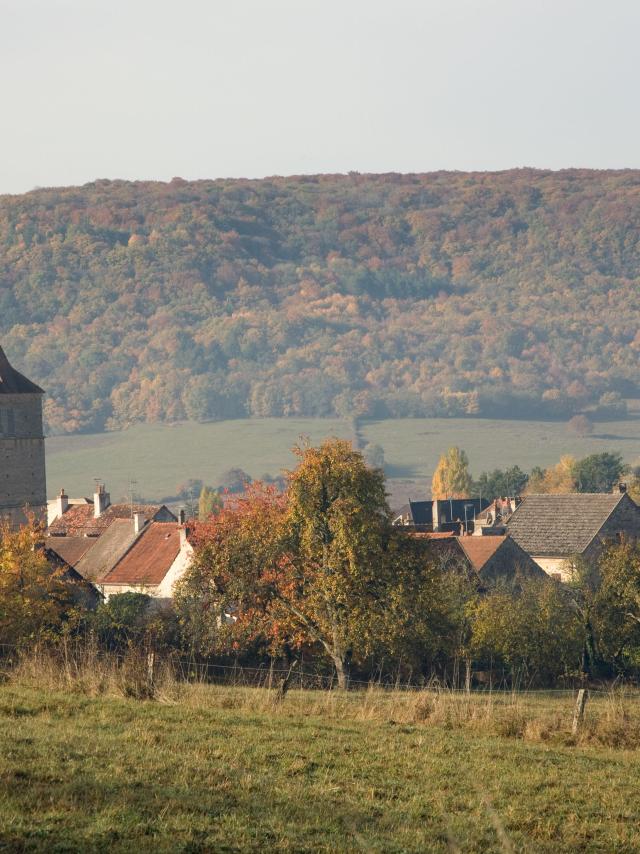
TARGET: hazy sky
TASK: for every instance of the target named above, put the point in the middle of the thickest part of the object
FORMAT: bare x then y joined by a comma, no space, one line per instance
218,88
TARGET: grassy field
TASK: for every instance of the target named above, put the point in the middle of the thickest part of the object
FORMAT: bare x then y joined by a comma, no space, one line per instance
223,769
159,457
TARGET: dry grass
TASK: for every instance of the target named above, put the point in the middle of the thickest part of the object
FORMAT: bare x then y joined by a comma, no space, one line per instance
612,717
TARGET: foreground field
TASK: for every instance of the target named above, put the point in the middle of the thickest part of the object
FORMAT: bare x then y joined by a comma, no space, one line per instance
159,457
223,769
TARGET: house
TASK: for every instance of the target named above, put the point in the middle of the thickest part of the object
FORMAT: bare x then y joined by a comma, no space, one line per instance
452,514
493,519
157,558
22,462
556,529
84,593
487,559
92,519
498,557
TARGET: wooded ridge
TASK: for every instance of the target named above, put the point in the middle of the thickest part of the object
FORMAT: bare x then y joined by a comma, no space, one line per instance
502,294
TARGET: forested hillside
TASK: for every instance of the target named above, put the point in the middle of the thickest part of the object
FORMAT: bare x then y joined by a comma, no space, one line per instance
505,294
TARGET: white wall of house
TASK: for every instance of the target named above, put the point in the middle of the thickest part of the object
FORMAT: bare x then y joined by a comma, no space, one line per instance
554,566
164,590
176,571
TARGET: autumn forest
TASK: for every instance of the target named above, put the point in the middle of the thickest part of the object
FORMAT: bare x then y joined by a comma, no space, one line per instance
512,294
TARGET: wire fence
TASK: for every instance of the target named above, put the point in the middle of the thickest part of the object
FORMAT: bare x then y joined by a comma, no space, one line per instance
271,674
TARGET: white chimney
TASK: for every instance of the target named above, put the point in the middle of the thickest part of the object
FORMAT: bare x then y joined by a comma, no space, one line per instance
139,522
101,500
62,504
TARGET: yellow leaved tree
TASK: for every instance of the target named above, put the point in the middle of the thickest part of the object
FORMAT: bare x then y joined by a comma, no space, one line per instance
35,598
451,478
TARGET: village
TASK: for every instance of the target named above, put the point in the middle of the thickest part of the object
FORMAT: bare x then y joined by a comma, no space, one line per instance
129,547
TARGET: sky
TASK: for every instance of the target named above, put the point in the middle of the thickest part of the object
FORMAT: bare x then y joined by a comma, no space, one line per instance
142,89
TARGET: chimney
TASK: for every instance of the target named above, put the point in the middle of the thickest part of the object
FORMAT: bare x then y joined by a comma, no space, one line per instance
62,504
139,522
101,500
182,516
622,487
184,536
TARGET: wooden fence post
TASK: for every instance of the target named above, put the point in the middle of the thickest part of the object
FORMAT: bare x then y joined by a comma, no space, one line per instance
283,685
151,660
578,714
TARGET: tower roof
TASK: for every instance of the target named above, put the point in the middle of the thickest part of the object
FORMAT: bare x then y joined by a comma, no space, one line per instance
13,382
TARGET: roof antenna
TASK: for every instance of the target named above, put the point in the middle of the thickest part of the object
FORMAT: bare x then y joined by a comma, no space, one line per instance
132,483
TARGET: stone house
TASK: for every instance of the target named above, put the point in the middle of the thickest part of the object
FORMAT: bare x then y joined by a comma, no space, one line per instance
153,564
555,530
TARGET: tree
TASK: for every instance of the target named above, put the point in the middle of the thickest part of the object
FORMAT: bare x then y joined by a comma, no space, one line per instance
598,472
36,599
209,503
580,425
557,479
533,629
233,480
451,478
311,567
498,483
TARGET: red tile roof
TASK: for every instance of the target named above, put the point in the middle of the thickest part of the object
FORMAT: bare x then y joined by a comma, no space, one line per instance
480,549
150,558
79,519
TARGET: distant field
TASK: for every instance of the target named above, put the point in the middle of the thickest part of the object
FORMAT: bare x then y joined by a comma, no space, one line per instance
159,457
222,770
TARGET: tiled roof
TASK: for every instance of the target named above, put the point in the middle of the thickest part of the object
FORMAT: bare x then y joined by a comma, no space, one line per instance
150,558
107,549
13,382
79,518
480,549
70,549
560,524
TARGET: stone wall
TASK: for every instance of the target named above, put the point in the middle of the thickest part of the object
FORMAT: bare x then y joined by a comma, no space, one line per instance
22,457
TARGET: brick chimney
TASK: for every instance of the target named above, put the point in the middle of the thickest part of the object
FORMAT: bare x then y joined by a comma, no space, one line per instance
101,500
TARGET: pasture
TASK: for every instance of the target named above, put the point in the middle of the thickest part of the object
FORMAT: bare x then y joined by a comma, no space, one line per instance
213,768
160,457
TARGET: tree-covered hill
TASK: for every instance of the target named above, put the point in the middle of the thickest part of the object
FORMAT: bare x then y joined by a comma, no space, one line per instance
503,294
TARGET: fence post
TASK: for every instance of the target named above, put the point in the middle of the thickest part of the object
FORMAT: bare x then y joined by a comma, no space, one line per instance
284,683
151,660
578,714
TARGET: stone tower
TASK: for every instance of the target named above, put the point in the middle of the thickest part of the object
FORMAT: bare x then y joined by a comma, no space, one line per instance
22,469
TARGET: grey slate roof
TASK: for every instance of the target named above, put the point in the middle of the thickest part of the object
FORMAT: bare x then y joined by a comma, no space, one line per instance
560,525
12,382
109,548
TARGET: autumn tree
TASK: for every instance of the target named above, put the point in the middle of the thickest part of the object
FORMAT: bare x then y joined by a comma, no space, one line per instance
451,478
311,567
557,479
36,598
580,425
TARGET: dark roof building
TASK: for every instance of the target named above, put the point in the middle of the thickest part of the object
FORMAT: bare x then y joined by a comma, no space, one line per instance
12,381
553,529
23,489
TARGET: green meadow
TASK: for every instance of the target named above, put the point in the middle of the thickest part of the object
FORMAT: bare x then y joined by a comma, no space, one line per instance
224,769
160,457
